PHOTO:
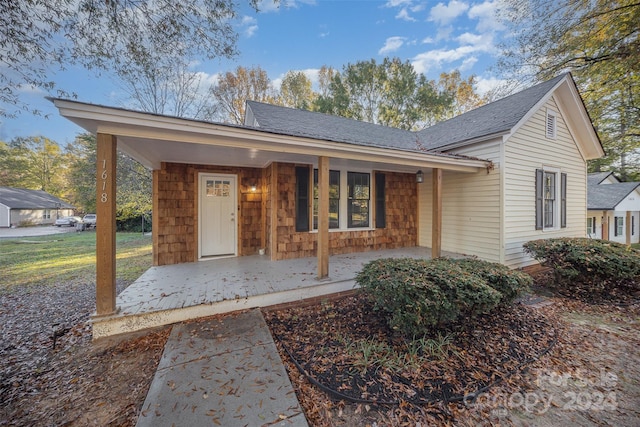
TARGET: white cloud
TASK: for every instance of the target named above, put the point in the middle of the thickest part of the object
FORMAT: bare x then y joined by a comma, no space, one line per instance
486,85
444,14
391,45
396,3
404,15
250,25
428,40
487,17
468,63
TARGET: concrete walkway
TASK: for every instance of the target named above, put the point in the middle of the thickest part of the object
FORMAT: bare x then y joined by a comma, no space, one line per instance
224,371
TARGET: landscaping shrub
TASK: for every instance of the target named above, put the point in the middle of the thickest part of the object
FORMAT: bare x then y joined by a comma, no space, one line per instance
510,283
416,295
585,266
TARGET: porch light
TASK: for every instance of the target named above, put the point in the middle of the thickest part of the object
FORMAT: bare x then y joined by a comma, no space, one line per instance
419,177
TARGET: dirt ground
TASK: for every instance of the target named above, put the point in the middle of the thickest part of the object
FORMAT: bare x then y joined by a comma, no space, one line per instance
590,378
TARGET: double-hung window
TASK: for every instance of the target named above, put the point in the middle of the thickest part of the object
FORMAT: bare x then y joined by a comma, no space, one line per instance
358,187
551,199
334,199
591,226
619,225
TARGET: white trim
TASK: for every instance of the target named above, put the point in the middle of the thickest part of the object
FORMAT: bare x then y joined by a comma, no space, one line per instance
344,193
132,124
557,200
237,221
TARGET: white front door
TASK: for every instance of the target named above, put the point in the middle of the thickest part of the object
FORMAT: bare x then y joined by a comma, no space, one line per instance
218,227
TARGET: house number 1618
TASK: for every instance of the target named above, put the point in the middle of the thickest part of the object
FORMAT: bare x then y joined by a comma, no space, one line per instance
103,176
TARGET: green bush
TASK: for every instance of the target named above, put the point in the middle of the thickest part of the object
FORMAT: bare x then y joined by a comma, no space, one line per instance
587,265
510,283
416,295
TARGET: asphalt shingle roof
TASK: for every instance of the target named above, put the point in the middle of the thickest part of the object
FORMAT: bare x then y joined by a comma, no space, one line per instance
494,118
596,178
606,197
21,198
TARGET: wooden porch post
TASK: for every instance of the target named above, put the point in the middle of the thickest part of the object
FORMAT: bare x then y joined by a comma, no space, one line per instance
436,220
323,217
628,228
605,226
106,225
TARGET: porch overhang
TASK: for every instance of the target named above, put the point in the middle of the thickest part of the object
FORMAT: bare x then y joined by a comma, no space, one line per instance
152,139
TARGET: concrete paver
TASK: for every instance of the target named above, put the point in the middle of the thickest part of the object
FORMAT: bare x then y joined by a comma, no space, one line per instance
225,371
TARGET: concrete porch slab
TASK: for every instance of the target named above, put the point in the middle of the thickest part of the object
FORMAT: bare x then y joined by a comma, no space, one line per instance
175,293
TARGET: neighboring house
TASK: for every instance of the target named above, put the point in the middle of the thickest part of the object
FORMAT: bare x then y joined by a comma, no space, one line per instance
613,208
19,206
300,184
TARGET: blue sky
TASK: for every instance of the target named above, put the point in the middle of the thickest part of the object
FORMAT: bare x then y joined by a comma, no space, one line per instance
435,36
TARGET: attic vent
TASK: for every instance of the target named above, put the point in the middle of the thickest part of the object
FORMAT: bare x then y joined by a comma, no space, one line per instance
551,124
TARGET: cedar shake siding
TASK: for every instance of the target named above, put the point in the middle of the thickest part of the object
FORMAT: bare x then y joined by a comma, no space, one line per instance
175,201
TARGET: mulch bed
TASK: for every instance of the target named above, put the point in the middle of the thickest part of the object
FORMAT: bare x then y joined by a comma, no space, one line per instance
350,353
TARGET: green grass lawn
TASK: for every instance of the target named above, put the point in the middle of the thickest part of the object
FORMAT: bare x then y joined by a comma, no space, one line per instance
69,258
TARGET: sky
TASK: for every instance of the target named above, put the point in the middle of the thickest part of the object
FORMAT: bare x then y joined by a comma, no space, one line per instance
303,35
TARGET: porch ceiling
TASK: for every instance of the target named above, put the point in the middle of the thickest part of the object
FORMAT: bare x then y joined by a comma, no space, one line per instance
152,139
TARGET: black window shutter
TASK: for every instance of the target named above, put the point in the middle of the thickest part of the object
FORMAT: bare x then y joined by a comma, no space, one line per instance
563,200
539,198
381,216
302,198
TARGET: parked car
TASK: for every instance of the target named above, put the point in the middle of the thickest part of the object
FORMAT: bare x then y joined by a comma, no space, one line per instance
89,220
70,221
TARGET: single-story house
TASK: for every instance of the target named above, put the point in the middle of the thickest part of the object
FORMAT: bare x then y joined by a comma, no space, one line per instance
20,206
613,208
296,183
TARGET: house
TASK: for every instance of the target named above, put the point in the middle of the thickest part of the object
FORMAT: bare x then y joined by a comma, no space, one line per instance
20,207
613,208
295,183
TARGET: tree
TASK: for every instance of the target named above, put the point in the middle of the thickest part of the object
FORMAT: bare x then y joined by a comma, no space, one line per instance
599,42
133,182
462,93
35,163
166,86
296,90
234,89
39,36
390,93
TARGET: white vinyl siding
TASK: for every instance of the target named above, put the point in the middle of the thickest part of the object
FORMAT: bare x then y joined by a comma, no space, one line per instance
526,150
471,207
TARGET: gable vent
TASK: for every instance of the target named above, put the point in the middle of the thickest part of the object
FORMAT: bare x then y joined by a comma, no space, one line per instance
551,124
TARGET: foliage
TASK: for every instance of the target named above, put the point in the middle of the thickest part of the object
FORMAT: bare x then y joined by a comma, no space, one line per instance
599,42
585,266
510,283
416,295
122,36
296,91
35,163
234,89
390,93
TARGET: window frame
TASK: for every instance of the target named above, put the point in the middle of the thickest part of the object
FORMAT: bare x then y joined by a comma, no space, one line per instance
559,207
618,226
353,201
333,201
